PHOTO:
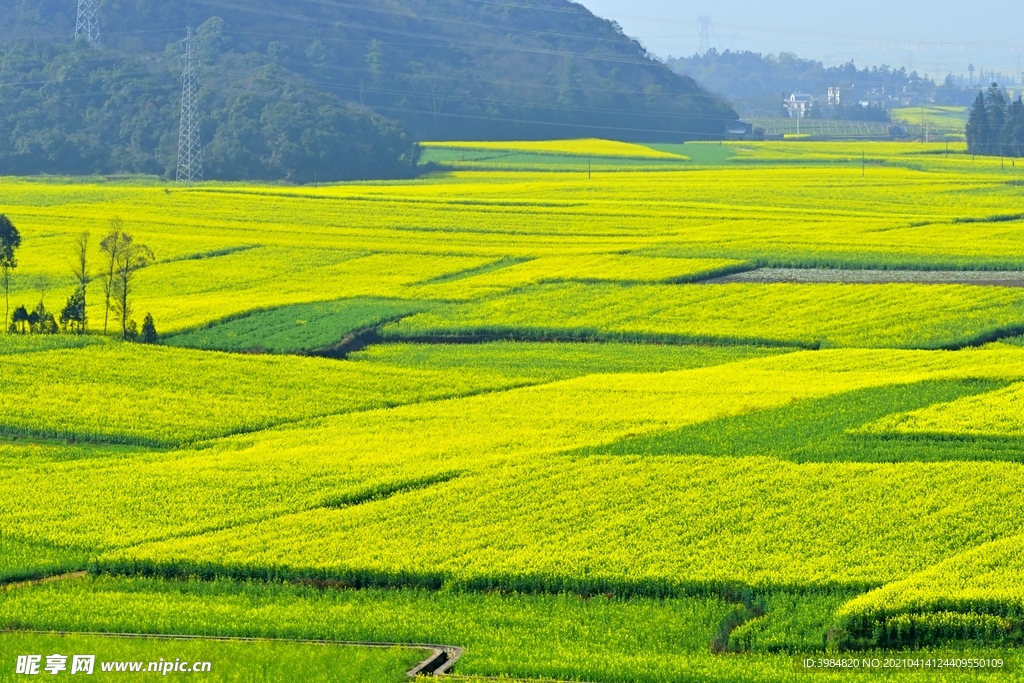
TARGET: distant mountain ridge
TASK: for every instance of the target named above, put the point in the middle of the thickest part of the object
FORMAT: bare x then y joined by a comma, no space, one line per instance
447,69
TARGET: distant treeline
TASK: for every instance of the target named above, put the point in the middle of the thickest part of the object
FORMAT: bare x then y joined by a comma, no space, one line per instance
756,83
995,126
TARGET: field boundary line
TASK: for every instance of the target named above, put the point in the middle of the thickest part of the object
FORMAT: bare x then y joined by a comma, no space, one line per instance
873,276
381,493
191,445
441,660
480,336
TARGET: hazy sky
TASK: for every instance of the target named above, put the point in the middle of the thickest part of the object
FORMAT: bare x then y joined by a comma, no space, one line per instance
936,36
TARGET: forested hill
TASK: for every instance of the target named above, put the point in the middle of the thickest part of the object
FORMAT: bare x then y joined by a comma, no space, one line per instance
443,69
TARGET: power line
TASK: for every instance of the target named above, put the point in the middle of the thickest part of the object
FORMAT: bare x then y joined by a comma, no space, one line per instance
448,21
190,152
88,23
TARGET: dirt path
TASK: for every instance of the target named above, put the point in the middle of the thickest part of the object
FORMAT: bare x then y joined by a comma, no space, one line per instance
990,278
46,579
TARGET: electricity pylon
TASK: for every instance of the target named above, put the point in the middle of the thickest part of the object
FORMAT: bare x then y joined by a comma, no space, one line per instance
705,34
190,152
88,24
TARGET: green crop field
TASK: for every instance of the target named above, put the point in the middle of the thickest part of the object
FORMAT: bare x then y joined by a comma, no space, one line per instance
509,408
223,661
939,119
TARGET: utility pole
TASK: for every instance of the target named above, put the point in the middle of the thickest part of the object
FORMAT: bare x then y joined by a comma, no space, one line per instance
705,34
88,24
190,152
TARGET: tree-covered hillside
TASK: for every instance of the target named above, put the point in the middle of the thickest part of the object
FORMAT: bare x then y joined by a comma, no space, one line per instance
71,109
283,81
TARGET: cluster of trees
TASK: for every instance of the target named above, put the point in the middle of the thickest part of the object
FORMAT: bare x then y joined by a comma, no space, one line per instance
123,257
995,126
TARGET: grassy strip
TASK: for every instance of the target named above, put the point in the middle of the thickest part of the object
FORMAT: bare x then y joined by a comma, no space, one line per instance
11,344
230,661
297,328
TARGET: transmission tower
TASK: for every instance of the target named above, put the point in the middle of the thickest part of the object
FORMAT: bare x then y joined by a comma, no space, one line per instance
190,153
705,33
88,24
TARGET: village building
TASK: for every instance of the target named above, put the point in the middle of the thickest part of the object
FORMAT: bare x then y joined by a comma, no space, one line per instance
799,105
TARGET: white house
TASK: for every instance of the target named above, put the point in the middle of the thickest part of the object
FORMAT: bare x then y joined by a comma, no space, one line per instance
799,104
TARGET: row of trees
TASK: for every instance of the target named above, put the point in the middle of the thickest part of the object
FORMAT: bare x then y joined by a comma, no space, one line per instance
122,258
995,127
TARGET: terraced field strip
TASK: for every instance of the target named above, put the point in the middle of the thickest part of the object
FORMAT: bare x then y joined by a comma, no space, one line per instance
586,147
440,661
792,314
996,278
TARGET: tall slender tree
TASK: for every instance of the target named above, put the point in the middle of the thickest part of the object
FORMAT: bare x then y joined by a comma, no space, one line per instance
977,126
80,269
132,257
111,247
995,110
1013,129
10,240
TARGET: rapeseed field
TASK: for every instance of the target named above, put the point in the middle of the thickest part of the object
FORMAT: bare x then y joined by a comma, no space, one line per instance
514,412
